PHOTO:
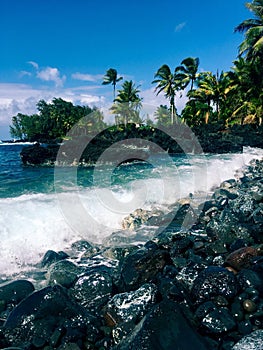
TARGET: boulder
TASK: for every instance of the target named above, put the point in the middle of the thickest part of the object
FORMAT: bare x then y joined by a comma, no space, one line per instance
163,328
48,317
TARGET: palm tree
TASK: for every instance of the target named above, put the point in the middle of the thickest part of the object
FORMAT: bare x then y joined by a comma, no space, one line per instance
187,72
163,115
214,87
166,83
111,77
252,46
245,93
196,111
127,104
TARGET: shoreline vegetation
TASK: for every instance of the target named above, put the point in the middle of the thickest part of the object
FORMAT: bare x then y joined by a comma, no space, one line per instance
217,100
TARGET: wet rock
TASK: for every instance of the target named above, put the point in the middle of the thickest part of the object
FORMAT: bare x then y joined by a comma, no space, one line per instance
163,328
181,245
136,219
239,243
44,312
216,247
125,310
188,274
214,281
36,154
51,257
249,306
118,253
249,278
243,206
227,193
15,291
85,248
142,266
98,263
131,306
93,290
241,258
63,272
237,310
245,327
217,321
252,341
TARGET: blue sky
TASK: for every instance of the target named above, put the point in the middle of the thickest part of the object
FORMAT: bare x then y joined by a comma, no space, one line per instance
62,48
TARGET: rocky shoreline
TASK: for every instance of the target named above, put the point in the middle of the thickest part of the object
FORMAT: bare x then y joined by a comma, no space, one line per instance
203,139
196,288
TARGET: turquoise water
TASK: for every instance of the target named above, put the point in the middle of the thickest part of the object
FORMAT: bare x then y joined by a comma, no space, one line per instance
45,208
15,179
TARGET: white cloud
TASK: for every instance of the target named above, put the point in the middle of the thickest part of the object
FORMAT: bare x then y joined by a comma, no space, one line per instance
91,99
34,64
22,98
87,77
24,73
19,98
179,27
51,74
46,74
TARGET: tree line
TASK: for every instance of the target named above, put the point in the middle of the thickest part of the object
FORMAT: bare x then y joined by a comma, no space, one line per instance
232,97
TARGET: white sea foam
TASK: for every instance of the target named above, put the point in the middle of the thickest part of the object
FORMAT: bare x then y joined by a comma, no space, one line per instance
32,224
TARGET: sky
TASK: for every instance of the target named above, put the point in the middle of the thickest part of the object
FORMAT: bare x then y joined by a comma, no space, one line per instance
62,48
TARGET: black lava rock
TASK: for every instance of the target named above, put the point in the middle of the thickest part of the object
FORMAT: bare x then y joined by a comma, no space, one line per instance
15,291
51,257
214,281
40,315
163,328
142,266
93,290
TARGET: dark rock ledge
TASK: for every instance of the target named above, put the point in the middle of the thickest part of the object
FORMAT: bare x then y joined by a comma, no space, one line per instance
212,138
200,288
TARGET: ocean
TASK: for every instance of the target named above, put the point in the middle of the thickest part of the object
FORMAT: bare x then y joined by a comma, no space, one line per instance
43,208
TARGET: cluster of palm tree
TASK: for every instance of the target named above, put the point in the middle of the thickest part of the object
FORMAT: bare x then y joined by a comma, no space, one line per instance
229,97
127,104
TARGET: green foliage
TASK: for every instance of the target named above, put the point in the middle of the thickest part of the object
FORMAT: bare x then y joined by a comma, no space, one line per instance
127,104
226,98
54,120
163,116
111,77
167,83
252,46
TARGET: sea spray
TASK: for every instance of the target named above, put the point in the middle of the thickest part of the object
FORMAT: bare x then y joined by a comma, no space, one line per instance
30,224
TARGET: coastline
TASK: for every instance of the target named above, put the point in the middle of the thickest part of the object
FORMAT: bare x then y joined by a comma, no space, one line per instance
205,281
205,139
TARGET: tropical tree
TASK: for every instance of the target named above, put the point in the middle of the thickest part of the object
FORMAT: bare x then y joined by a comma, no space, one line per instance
163,115
245,92
187,72
252,46
127,104
111,77
251,62
213,89
54,120
196,111
167,83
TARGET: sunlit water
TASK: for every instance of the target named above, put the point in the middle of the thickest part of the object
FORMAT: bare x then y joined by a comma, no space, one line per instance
43,208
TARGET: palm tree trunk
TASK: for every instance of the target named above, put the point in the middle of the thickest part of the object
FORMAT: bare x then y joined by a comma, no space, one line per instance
114,92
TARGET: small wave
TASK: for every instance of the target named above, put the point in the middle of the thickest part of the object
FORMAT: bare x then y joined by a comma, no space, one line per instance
31,224
10,143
